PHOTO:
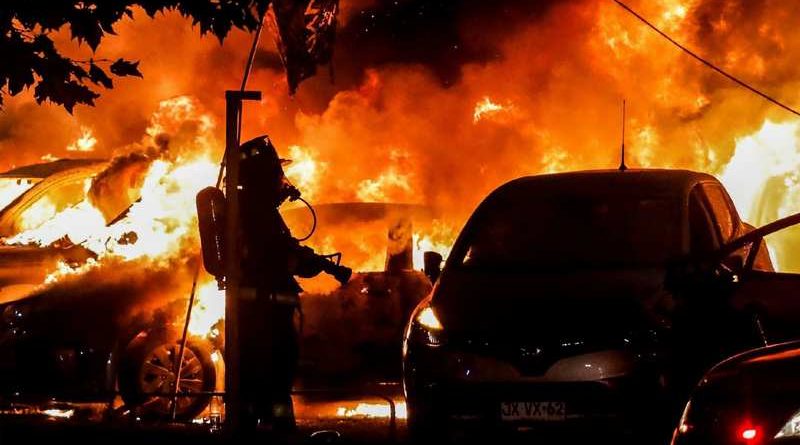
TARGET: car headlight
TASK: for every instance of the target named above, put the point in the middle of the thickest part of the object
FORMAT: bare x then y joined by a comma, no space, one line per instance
791,428
428,319
425,327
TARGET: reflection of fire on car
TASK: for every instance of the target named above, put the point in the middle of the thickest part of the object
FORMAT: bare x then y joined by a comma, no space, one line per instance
591,297
74,342
751,398
83,339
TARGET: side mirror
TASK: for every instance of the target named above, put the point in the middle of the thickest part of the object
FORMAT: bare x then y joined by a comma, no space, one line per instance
433,265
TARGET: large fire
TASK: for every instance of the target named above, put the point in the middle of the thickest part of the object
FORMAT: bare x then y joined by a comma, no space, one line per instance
159,226
543,97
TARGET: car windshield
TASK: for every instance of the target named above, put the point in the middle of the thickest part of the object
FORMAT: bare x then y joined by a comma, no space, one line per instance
575,231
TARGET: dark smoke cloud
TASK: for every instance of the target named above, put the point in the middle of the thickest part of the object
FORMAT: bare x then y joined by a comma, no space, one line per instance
440,35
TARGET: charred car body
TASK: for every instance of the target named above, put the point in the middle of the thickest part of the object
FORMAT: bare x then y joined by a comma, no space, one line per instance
90,337
591,297
353,334
96,335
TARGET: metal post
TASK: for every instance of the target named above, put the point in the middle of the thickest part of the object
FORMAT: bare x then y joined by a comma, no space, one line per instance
233,111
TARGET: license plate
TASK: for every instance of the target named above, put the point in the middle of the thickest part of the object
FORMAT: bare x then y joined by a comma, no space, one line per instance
533,411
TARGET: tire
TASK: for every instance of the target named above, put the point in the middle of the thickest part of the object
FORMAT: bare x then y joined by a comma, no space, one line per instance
147,367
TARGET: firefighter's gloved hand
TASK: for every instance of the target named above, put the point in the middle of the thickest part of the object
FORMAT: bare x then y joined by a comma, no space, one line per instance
310,264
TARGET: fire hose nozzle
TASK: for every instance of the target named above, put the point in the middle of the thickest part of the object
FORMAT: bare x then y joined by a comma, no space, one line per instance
341,273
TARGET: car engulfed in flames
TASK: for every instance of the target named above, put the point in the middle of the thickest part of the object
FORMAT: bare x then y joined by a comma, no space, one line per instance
96,269
96,272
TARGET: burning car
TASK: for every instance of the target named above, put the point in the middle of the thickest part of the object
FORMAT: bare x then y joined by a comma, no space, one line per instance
592,298
106,325
91,336
30,195
353,333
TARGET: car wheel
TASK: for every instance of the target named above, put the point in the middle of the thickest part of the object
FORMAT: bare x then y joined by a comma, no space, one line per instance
147,376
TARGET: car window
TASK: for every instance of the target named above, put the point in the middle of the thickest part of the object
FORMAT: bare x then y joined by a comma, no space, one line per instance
722,210
54,200
575,230
702,232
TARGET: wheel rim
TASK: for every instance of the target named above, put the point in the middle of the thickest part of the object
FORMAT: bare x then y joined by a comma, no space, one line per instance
157,376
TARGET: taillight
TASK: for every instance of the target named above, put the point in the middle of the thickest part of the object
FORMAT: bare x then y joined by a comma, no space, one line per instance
749,433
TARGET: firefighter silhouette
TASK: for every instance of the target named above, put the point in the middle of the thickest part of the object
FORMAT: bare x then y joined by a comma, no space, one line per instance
269,293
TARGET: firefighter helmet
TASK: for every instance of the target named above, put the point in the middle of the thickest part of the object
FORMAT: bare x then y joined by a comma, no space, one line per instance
261,148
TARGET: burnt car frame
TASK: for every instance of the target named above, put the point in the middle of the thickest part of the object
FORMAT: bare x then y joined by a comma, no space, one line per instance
591,298
92,337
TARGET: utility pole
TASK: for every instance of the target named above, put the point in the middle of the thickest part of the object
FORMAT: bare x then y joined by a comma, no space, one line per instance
233,115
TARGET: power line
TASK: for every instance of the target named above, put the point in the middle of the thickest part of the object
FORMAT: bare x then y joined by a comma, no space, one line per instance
707,63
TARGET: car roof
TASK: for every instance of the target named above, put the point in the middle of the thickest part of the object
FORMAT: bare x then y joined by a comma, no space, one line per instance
773,354
644,181
46,169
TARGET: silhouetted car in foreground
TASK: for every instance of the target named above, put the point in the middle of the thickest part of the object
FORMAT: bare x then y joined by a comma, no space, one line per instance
751,398
591,299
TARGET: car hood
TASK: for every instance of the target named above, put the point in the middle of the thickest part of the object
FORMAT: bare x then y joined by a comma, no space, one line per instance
573,312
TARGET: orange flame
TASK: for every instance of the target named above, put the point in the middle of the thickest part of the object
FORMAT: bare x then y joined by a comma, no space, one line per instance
373,410
85,143
485,108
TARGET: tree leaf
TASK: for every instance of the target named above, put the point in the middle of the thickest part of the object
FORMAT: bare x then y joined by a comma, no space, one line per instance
19,80
85,27
67,94
125,68
99,77
39,64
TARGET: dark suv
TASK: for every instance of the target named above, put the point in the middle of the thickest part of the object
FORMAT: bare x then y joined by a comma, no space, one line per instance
593,298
